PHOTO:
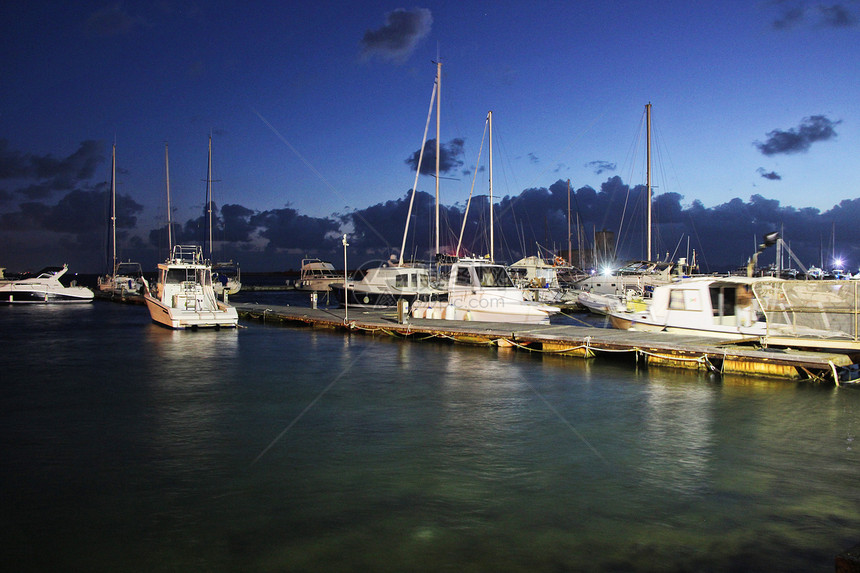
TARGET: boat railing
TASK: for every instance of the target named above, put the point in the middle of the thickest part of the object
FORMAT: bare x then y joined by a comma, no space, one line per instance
188,254
828,309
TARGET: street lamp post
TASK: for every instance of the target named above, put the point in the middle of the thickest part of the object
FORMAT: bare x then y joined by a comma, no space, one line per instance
345,292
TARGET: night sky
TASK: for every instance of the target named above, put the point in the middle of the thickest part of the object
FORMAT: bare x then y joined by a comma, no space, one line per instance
316,111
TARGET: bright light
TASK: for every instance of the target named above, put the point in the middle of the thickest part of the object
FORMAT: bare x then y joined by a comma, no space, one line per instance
607,271
838,263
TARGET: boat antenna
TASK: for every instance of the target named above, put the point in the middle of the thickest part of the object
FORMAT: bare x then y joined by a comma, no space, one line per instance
113,203
438,111
490,123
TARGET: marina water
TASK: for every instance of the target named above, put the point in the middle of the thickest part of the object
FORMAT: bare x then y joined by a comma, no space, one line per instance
130,447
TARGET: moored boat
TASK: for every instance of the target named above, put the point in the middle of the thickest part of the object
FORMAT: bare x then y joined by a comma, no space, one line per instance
45,287
183,296
384,286
317,275
483,291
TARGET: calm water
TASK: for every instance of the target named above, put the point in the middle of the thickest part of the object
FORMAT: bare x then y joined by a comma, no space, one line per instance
128,447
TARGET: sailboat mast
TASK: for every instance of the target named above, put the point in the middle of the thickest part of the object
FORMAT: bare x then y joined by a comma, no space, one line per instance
648,176
492,242
209,199
438,111
113,205
569,244
169,222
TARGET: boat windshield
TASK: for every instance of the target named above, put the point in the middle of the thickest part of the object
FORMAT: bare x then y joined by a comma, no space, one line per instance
493,276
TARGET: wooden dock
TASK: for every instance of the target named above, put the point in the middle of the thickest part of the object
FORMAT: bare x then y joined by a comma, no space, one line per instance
659,349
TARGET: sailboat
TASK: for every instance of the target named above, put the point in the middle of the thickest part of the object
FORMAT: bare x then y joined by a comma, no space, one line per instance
613,289
398,280
480,289
183,296
226,275
126,279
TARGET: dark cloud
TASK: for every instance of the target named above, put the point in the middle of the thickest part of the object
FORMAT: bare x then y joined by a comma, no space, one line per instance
40,176
772,175
600,167
401,33
112,20
450,157
792,13
799,139
288,229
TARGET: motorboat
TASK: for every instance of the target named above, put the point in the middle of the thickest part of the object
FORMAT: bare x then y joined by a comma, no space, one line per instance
480,290
317,275
730,308
384,286
184,297
226,278
604,304
45,287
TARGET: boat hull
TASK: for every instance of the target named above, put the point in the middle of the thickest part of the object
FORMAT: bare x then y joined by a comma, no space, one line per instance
180,319
373,299
33,296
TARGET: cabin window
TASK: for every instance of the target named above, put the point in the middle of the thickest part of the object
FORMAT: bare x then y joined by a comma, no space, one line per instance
685,300
423,280
723,301
401,281
176,276
493,277
463,276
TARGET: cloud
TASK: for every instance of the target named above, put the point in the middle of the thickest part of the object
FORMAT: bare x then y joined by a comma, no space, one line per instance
111,20
397,39
793,13
39,176
600,167
450,157
533,158
772,175
798,140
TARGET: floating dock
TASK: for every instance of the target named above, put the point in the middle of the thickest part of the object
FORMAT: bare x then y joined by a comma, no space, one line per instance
659,349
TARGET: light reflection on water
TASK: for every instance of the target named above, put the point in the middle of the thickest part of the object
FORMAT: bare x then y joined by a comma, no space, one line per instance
132,447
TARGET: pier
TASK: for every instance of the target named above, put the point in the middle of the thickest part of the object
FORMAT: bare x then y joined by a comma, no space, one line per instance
657,349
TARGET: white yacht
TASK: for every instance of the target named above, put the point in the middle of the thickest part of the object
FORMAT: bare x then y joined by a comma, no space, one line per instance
184,297
45,287
383,286
483,291
317,275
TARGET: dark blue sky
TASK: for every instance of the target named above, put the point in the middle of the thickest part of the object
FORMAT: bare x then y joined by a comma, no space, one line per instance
316,107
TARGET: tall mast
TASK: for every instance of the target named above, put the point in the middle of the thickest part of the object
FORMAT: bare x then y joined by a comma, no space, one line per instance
169,222
209,199
438,111
648,176
113,204
569,244
490,120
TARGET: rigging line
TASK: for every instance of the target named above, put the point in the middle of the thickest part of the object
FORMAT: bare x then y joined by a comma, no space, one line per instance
318,174
310,405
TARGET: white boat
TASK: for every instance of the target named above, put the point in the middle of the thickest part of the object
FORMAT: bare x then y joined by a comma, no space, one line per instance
317,275
718,307
125,278
45,287
183,296
483,291
226,277
383,286
604,304
545,280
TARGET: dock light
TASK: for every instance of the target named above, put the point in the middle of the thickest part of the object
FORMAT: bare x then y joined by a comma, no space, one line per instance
607,271
838,263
